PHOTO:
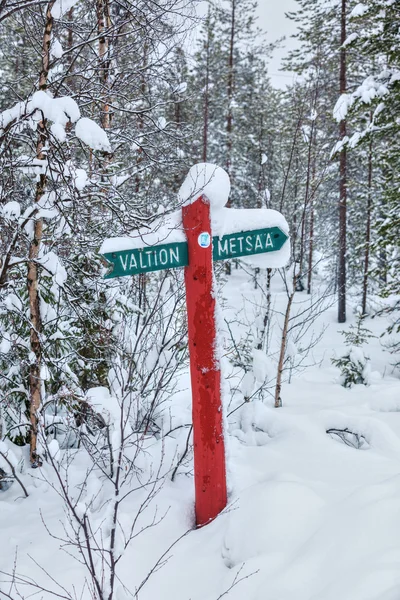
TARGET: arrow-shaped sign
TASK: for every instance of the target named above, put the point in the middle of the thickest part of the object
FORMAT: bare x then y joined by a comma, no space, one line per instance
248,243
172,256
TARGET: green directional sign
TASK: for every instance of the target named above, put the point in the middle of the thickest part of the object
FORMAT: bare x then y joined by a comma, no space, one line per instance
248,243
152,258
171,256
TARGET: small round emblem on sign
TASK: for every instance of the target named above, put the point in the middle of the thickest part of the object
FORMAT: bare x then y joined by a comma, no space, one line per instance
204,239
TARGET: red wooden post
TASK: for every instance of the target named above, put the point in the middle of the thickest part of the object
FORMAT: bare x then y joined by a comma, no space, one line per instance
209,448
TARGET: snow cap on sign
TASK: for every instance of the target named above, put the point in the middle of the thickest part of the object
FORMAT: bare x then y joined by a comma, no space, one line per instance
207,179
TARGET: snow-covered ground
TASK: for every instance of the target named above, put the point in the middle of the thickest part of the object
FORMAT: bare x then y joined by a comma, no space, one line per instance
309,516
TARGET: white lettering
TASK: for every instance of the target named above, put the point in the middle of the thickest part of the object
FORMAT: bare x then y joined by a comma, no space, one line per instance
232,245
268,242
143,266
149,253
155,257
249,243
258,245
124,264
174,254
163,256
222,248
133,263
240,240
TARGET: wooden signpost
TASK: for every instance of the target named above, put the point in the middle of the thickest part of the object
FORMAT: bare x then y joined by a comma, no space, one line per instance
197,255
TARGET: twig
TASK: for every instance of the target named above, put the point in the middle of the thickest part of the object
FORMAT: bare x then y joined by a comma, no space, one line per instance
4,456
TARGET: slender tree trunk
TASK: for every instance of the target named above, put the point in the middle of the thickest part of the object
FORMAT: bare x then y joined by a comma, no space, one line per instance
70,29
178,123
292,152
306,201
107,68
261,176
342,182
103,22
311,205
383,254
229,120
70,58
104,63
298,259
281,361
383,266
35,382
206,91
367,232
264,335
311,243
140,125
297,284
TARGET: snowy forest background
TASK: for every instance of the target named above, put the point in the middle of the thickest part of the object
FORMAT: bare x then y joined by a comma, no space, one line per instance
104,107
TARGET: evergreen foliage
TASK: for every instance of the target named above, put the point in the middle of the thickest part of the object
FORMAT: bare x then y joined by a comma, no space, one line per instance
354,365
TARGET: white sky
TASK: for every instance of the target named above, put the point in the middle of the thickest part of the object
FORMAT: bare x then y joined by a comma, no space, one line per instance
272,20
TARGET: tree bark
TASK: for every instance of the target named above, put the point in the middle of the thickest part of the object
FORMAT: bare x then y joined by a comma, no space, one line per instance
206,91
281,361
311,241
35,382
229,120
264,335
261,177
367,232
70,58
306,200
342,181
103,23
140,124
292,153
311,232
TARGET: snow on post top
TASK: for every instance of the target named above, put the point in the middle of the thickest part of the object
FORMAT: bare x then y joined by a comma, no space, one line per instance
207,179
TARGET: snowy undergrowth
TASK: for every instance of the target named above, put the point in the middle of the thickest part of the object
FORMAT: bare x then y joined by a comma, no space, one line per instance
310,517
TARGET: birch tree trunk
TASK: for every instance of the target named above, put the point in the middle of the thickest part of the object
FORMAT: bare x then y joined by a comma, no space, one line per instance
103,24
35,382
281,361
